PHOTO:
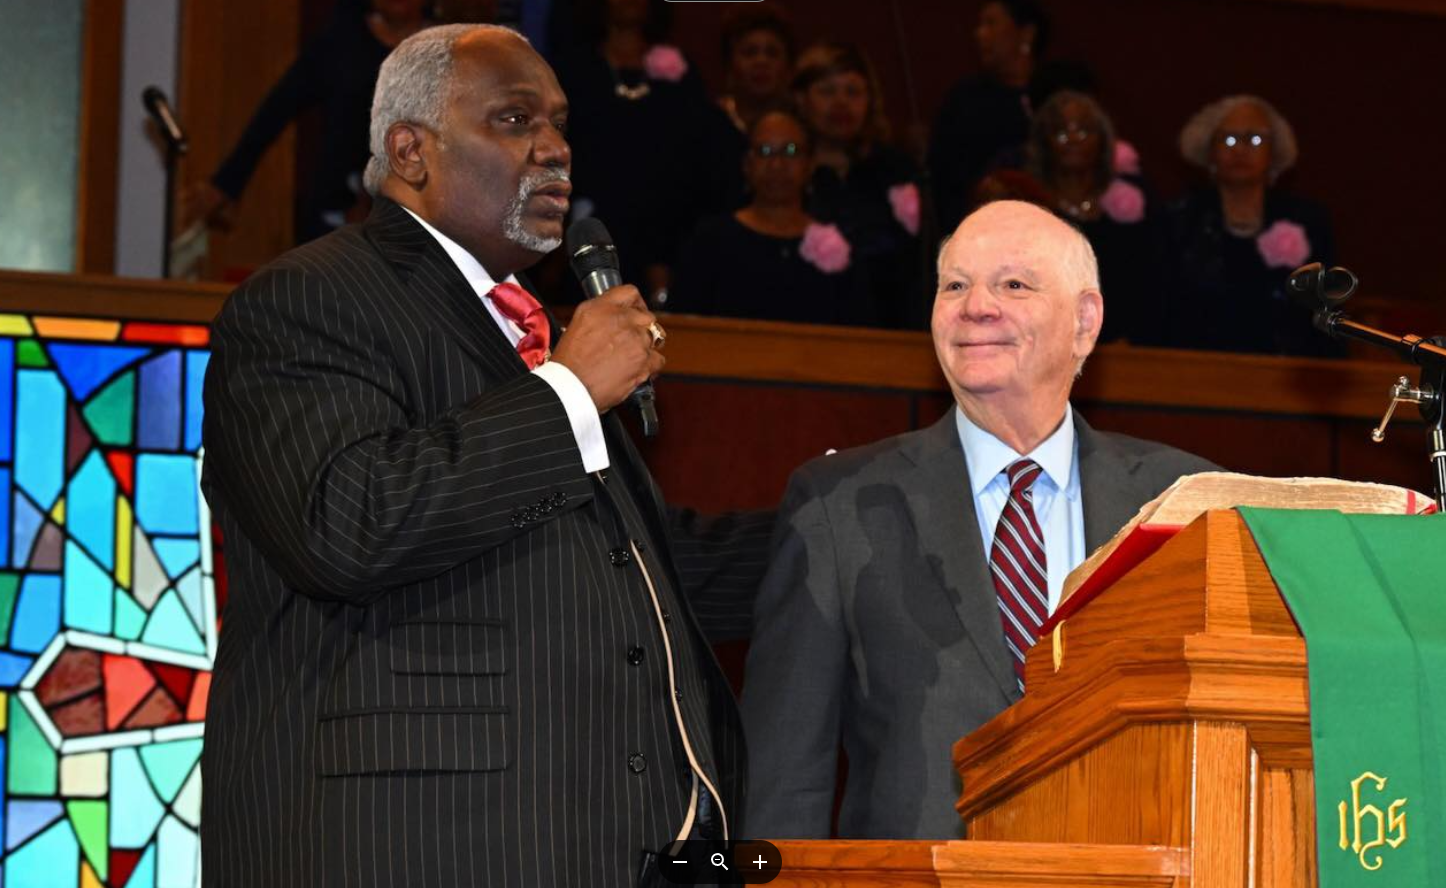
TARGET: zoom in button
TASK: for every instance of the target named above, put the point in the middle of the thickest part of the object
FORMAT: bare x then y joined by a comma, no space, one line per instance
720,863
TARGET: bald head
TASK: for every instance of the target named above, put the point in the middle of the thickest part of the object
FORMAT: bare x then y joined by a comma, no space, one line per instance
1077,262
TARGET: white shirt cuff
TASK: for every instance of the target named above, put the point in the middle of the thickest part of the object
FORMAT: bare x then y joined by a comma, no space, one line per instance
581,412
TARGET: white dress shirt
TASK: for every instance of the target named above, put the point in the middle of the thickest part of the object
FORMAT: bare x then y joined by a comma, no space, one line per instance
1061,518
581,411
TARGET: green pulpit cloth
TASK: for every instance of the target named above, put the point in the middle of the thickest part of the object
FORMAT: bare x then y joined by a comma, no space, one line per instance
1369,594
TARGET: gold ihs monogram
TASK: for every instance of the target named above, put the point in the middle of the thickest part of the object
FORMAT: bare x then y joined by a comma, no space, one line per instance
1390,827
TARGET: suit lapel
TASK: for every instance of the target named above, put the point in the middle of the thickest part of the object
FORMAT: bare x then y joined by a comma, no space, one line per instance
941,508
1109,486
439,289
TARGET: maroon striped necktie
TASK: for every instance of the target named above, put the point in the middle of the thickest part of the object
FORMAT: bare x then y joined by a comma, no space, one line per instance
1017,562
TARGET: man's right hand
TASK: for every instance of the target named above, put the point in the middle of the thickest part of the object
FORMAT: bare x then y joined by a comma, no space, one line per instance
608,346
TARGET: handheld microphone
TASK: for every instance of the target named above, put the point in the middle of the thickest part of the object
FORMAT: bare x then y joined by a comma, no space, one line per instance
594,259
165,119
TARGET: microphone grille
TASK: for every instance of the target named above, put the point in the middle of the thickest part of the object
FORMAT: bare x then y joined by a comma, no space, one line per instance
590,247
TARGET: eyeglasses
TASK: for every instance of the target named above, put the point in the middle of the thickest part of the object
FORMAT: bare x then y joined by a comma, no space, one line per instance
786,149
1074,133
1244,139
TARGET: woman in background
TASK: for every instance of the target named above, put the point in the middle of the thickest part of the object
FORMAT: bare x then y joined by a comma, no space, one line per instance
1092,179
771,259
1237,240
758,48
861,183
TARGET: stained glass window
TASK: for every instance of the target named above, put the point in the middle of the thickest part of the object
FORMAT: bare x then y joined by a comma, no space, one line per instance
107,603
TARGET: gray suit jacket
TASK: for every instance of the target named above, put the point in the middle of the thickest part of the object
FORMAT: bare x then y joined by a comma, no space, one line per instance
877,625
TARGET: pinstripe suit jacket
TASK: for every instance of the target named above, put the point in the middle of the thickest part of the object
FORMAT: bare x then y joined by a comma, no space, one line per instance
436,667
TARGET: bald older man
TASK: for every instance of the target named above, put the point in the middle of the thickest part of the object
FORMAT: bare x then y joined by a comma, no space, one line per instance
909,576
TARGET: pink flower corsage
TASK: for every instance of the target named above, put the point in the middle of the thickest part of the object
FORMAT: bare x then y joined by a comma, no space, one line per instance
1127,159
904,198
825,248
1123,202
1283,245
664,62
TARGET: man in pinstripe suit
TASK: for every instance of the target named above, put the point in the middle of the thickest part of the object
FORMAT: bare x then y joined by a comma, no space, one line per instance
465,642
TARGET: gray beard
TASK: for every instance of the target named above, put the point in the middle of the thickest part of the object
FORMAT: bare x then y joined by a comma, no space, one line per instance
512,227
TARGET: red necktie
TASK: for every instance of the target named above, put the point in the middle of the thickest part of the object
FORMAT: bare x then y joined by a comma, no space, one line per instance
518,306
1018,564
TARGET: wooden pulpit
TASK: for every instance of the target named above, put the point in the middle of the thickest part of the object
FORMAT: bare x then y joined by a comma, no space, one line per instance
1164,741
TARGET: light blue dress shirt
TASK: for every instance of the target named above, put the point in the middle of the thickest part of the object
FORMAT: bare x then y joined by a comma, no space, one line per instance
1061,517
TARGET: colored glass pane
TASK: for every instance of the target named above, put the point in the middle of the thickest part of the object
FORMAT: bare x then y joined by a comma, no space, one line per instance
86,367
7,395
158,425
51,858
86,775
88,819
28,353
123,467
171,627
165,334
88,593
79,718
188,800
75,673
135,812
13,668
27,524
166,494
90,502
178,853
156,710
149,577
40,449
31,764
124,541
4,516
26,819
196,362
123,862
76,328
189,589
127,682
196,709
111,413
177,555
144,875
15,325
78,439
46,554
9,589
130,620
37,614
169,764
177,680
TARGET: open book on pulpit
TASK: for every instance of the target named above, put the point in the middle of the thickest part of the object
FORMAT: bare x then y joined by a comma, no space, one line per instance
1193,495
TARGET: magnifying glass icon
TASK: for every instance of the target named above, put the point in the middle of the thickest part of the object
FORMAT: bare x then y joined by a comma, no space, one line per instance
718,859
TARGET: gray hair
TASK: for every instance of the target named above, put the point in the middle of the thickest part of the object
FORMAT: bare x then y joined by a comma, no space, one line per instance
412,87
1199,133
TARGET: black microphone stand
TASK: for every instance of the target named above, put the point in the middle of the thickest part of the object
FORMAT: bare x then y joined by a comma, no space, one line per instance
1428,354
173,157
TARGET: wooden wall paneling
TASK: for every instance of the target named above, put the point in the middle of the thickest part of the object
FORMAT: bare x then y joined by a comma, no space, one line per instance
232,52
742,440
97,170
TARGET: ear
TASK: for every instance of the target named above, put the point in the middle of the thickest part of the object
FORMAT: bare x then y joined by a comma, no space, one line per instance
405,155
1089,318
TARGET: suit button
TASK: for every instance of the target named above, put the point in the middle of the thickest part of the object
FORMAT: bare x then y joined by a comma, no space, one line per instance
667,617
635,656
559,499
678,695
637,763
639,544
620,557
518,521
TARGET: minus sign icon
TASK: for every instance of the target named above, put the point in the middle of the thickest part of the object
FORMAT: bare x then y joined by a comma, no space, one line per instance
676,860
